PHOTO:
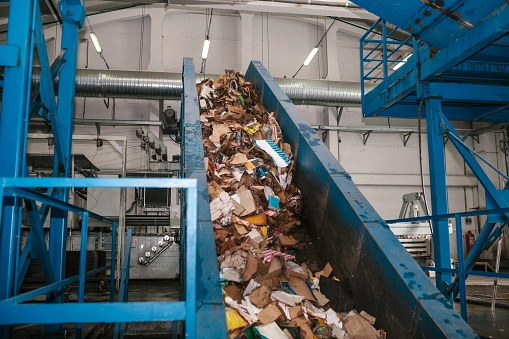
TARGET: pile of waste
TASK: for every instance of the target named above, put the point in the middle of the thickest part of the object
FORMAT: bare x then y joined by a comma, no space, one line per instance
255,206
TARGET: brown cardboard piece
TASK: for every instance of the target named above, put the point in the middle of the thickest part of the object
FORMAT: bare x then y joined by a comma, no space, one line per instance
296,312
260,297
326,272
278,268
269,314
234,292
358,327
240,228
246,200
287,240
238,159
321,299
251,267
214,190
217,131
368,317
304,327
299,285
237,208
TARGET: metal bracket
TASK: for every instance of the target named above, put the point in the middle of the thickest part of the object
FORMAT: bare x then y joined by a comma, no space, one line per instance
365,137
325,134
406,136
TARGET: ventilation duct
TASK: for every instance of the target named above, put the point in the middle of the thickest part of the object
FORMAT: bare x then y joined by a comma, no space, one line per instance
168,86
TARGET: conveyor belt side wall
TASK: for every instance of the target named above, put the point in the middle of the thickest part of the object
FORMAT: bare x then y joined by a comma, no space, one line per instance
350,234
211,319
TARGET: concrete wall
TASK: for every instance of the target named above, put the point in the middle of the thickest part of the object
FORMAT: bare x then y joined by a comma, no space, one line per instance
384,168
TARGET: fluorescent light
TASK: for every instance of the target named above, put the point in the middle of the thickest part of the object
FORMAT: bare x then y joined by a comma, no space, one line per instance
398,65
205,52
95,41
310,56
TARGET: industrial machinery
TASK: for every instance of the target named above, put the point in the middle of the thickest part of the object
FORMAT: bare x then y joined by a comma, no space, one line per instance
347,231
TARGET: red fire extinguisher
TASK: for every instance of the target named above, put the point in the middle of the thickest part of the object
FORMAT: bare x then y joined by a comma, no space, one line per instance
469,241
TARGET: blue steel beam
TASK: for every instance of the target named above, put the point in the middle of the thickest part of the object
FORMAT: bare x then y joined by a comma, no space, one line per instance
493,197
403,81
13,124
46,89
438,191
210,314
465,93
73,15
92,312
350,234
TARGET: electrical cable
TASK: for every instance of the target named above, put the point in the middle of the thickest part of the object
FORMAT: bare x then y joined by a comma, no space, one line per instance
268,44
208,23
421,166
318,44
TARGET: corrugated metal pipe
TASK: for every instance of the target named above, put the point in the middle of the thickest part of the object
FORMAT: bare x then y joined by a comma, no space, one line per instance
168,86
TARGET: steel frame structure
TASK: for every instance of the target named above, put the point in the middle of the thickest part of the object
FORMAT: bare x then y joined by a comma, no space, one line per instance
19,104
14,311
464,265
458,70
352,236
210,306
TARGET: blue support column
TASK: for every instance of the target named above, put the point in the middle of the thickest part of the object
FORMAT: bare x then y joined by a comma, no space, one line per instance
73,15
436,153
13,121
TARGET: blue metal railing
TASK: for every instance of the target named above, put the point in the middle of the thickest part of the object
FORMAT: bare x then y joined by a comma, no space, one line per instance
461,272
14,311
384,62
124,283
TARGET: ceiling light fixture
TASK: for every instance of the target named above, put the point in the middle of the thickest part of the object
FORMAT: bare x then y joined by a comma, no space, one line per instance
315,50
310,56
398,65
205,51
96,43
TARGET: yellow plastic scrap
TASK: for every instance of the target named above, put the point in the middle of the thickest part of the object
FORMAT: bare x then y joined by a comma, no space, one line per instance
233,319
252,129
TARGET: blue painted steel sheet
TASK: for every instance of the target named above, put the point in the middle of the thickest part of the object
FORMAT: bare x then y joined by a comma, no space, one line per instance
431,25
211,311
349,233
475,56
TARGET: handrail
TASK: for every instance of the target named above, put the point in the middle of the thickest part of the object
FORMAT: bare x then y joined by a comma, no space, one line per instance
374,44
14,312
461,272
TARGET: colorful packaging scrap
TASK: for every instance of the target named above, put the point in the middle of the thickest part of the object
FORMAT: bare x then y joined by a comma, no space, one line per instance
255,206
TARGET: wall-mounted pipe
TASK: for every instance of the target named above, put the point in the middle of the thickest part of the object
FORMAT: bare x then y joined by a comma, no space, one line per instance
168,86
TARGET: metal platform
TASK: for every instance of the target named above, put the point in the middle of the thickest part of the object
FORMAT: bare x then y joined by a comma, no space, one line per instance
458,52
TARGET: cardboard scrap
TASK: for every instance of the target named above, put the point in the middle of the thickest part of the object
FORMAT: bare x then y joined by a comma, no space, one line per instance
254,204
260,297
321,299
300,286
269,314
358,327
296,312
234,292
238,159
287,240
217,131
305,330
368,317
246,200
251,267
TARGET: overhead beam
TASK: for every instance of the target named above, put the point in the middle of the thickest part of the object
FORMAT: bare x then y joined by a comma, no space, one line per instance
473,41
